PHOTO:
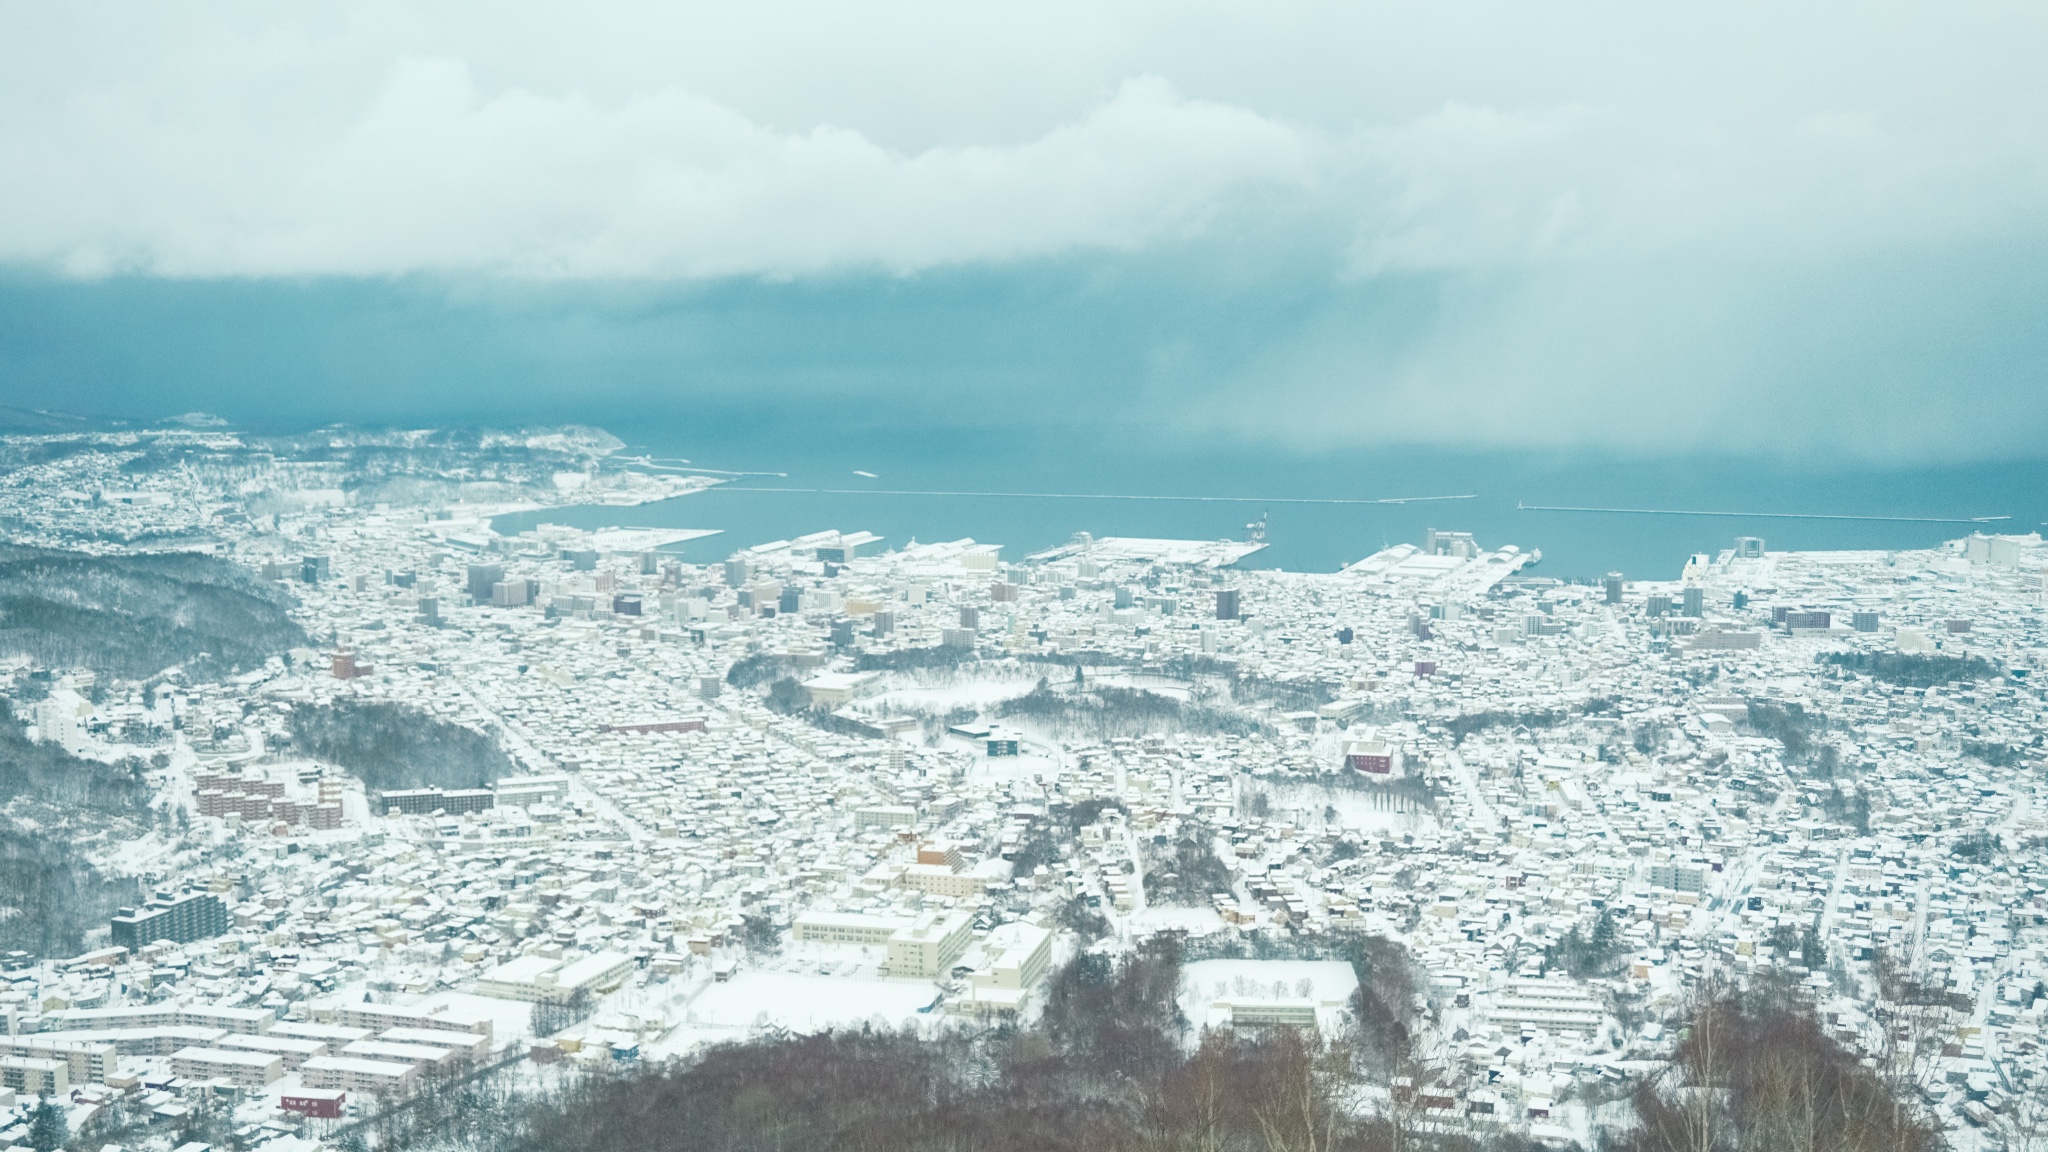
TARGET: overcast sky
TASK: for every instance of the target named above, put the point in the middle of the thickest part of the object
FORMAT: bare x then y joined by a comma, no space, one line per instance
1795,228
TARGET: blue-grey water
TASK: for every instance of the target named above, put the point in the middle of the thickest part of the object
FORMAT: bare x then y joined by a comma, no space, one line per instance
1047,379
822,490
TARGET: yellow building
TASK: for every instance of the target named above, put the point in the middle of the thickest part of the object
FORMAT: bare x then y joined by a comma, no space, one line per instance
940,880
845,928
929,945
1017,955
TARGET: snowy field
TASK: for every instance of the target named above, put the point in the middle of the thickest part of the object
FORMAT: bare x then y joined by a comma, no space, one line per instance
805,1003
1193,921
991,770
1167,686
977,693
1320,980
1358,810
1330,983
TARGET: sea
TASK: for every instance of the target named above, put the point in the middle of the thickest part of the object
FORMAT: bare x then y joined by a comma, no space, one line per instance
1032,489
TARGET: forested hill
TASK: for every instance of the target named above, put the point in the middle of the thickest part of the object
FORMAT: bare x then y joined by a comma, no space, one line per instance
45,772
400,465
128,617
50,895
1108,1066
392,746
132,616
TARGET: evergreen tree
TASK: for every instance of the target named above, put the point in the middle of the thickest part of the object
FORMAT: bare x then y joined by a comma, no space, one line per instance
46,1128
1811,952
1603,932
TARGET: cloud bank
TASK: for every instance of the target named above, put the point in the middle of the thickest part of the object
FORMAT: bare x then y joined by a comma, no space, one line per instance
229,142
1605,206
433,175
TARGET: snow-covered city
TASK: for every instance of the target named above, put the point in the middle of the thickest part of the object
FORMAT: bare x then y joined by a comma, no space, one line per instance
546,804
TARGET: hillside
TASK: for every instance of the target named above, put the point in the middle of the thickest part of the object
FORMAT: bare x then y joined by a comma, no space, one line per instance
50,895
391,746
133,616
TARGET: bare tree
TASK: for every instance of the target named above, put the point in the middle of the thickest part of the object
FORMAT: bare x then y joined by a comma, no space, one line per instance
2025,1122
1299,1090
1769,1079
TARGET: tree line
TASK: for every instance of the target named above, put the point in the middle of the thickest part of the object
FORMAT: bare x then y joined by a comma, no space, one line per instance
394,746
1105,1067
132,616
50,894
1106,711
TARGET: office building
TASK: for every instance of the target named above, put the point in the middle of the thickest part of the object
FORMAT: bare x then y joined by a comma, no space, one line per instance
1226,604
426,801
1369,756
1018,955
182,919
883,816
539,979
245,1070
348,1074
523,791
482,578
384,1017
467,1046
85,1062
844,928
293,1050
1612,585
837,689
927,947
1550,1004
34,1075
425,1056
